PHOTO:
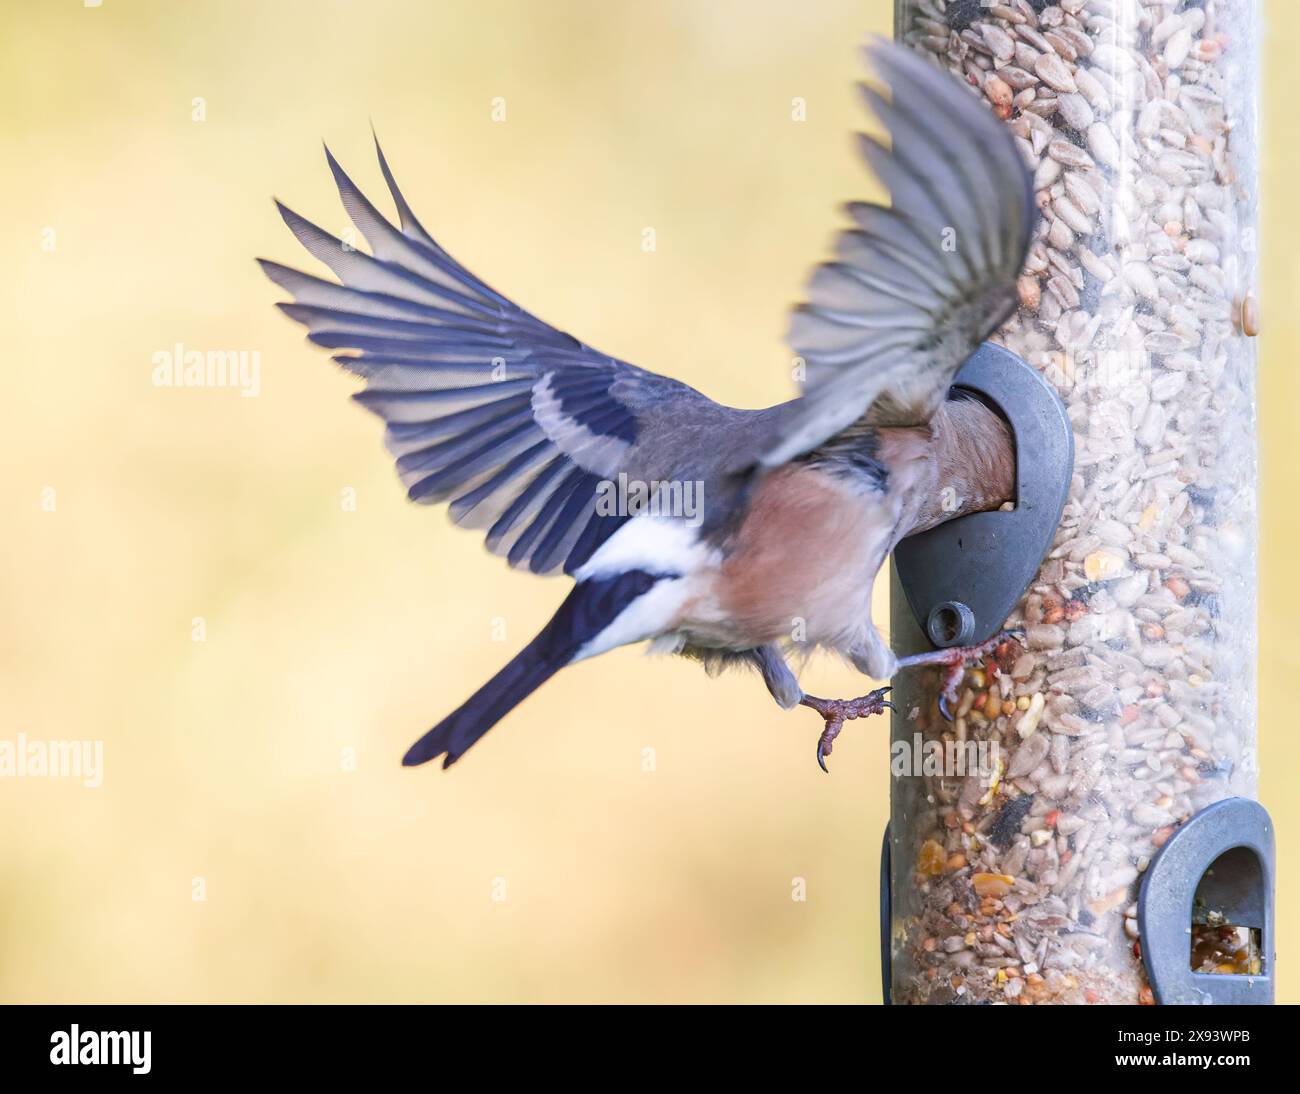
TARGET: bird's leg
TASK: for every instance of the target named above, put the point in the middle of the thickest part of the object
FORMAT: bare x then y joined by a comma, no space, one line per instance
875,658
838,711
777,676
956,661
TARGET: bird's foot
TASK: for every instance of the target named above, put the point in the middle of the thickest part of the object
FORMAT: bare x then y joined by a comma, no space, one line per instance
957,660
838,711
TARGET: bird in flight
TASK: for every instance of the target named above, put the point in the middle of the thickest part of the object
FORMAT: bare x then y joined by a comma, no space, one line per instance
578,463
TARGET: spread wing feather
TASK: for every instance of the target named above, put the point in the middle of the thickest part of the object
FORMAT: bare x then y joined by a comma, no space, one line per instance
487,407
916,286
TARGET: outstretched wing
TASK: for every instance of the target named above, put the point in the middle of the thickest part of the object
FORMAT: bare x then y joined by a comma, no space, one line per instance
916,287
486,406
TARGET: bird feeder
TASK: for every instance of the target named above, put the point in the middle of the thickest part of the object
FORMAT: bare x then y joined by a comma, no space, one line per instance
1084,829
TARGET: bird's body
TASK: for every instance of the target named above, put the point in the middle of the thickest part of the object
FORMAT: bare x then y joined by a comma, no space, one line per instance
800,562
524,429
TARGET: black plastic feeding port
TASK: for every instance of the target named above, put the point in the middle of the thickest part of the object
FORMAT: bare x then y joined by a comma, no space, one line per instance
964,577
1214,874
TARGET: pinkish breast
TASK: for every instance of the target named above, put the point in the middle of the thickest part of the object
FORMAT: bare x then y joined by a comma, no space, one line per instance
802,561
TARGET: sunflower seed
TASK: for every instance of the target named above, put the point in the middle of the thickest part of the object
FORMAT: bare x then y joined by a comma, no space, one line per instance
1055,73
1075,110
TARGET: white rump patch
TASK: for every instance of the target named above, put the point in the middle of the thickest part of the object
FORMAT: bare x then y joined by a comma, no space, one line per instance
648,616
655,545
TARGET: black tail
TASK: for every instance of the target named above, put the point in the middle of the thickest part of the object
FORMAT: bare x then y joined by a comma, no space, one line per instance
589,609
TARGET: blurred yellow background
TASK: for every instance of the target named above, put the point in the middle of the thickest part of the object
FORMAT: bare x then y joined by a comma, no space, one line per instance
259,768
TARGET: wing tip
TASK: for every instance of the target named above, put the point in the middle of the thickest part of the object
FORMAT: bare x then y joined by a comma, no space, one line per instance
410,223
341,178
293,220
335,168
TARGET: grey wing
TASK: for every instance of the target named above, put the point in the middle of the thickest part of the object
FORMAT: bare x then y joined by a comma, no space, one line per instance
487,407
915,287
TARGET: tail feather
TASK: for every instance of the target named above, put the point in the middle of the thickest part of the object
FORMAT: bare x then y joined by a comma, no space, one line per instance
589,609
482,710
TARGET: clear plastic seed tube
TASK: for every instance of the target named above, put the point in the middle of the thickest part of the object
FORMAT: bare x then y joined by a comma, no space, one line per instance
1133,705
